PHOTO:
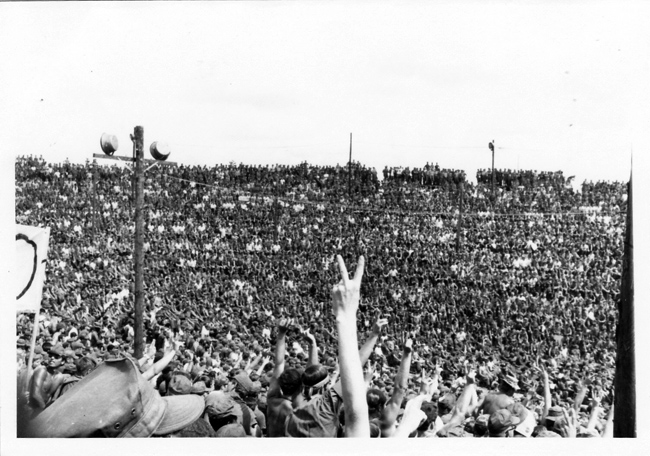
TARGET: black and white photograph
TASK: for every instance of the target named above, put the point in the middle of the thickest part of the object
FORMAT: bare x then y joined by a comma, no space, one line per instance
273,220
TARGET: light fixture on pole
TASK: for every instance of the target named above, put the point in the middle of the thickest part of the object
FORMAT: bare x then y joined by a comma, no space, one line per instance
160,152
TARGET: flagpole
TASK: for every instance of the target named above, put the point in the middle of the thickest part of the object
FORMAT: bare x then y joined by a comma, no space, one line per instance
32,346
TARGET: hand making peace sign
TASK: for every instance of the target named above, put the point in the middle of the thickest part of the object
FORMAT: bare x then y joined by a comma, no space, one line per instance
346,294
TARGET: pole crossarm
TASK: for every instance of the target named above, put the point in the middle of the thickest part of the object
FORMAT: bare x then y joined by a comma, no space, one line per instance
132,160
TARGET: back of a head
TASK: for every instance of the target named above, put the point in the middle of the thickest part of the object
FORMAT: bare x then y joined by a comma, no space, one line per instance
376,400
231,430
314,378
506,388
314,375
290,381
430,409
85,365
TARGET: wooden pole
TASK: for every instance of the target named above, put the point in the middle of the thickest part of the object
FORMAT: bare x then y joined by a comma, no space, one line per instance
625,376
138,251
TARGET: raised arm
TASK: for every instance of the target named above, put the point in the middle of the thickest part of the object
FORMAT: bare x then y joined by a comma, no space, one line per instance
252,363
430,385
595,410
583,386
173,343
413,416
608,430
313,348
391,410
366,349
160,365
280,349
265,361
547,396
345,303
462,407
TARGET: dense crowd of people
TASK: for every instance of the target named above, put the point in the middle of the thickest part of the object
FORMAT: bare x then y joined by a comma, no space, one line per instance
483,312
509,178
428,177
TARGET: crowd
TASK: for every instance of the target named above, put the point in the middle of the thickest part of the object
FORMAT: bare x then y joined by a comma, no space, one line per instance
428,177
526,178
520,290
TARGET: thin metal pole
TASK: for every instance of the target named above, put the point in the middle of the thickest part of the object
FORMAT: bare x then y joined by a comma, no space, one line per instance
138,255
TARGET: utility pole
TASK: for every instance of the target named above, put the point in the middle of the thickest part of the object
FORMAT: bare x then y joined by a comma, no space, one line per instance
491,146
138,254
350,170
109,146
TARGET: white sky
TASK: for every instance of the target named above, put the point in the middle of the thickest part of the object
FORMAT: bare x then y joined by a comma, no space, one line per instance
556,86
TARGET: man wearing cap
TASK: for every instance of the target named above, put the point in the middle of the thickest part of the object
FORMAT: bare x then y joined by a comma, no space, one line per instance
242,390
179,384
46,381
221,410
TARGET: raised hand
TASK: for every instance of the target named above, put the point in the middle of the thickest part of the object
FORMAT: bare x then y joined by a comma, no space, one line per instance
470,373
309,337
379,325
347,293
437,370
568,426
284,324
596,398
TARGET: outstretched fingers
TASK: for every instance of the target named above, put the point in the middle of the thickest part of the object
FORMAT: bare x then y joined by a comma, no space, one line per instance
345,277
358,273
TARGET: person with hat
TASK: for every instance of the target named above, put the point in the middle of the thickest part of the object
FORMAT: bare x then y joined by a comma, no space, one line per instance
46,380
221,410
243,389
502,398
179,384
115,400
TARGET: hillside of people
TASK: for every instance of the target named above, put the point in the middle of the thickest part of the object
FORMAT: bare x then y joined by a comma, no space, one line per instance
520,280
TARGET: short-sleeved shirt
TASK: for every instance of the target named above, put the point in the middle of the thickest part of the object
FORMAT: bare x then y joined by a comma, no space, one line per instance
319,417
